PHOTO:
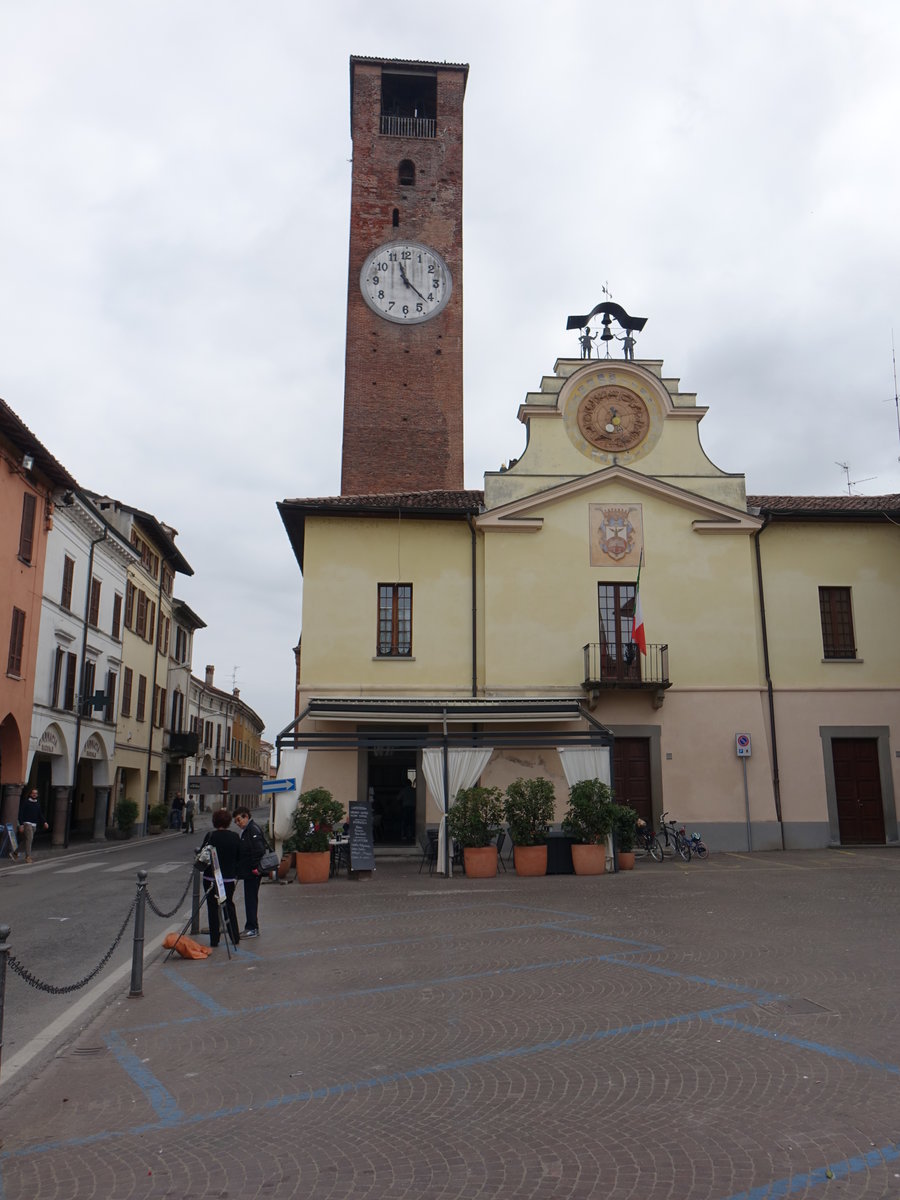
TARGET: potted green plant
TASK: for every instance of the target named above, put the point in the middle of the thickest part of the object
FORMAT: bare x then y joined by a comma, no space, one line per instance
589,821
312,821
474,821
126,814
529,807
157,818
625,820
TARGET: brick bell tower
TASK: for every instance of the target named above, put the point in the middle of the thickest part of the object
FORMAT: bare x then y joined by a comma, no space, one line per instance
403,380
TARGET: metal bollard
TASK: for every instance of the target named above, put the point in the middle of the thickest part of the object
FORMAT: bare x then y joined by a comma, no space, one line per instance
4,953
195,899
137,954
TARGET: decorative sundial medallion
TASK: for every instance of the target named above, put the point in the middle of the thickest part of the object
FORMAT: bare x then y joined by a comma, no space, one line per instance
613,419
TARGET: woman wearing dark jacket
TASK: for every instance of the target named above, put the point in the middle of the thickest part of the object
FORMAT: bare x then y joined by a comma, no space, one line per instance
227,845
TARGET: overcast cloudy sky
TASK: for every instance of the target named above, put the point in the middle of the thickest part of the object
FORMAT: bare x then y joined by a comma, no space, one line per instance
174,223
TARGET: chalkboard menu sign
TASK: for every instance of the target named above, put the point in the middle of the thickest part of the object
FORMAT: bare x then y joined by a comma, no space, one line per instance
362,849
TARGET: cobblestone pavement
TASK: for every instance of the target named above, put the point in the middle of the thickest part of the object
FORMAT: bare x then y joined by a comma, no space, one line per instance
722,1029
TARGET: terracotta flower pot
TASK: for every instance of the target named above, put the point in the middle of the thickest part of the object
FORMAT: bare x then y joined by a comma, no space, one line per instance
480,861
287,861
313,866
589,860
530,860
626,860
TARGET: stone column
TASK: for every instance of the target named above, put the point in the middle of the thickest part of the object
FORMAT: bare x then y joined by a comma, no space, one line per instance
60,815
101,809
9,805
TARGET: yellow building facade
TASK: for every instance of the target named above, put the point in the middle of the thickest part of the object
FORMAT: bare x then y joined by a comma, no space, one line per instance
503,621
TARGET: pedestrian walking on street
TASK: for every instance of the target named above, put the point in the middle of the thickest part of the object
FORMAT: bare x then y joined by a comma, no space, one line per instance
30,816
227,845
189,815
177,810
253,847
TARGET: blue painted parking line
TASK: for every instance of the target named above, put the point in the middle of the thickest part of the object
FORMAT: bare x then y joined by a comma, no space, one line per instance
164,1104
202,998
859,1060
844,1169
160,1100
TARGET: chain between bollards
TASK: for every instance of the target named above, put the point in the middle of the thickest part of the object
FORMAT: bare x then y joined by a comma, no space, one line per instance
4,953
137,954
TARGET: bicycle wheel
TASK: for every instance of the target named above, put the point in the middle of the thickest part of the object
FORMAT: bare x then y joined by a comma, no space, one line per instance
656,850
701,850
683,847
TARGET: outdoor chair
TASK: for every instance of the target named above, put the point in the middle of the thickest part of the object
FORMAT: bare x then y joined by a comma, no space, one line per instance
428,842
501,839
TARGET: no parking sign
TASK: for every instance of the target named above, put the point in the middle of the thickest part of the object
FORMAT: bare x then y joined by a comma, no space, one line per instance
742,745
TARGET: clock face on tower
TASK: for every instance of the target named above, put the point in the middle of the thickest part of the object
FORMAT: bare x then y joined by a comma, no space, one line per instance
613,418
405,282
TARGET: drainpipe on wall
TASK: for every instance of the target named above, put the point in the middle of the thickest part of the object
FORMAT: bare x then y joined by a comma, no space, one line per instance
153,701
80,705
776,781
474,609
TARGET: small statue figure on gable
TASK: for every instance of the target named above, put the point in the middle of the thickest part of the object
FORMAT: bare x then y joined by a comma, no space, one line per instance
627,344
587,340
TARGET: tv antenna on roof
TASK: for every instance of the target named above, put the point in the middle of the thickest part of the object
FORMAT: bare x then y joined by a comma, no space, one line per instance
896,399
851,483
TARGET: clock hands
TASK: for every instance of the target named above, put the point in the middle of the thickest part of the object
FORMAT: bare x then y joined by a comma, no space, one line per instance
408,284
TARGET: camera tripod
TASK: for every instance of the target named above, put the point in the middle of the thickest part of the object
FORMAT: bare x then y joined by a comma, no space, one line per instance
216,887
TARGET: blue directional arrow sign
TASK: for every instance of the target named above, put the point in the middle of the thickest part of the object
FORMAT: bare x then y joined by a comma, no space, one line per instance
278,785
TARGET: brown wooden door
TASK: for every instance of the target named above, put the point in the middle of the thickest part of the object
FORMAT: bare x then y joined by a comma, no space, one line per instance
631,775
857,786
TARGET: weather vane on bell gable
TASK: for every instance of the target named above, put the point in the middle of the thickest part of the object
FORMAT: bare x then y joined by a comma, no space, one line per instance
611,312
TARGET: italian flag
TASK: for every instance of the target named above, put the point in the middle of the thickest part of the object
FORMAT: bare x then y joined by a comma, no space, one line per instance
638,636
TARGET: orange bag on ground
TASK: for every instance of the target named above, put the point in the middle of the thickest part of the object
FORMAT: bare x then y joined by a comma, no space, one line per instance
186,946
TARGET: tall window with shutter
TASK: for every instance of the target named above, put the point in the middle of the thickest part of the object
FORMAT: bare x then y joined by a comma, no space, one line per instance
68,575
94,607
141,708
71,672
26,532
16,643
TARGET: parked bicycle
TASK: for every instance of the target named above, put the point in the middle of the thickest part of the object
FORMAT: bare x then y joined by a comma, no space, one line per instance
647,843
698,846
675,839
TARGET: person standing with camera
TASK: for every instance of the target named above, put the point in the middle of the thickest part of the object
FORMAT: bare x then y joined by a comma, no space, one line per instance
253,847
227,846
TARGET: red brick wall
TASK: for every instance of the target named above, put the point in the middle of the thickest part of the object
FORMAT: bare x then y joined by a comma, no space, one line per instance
403,386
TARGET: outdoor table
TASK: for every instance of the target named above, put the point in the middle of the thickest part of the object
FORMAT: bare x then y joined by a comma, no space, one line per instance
338,845
559,854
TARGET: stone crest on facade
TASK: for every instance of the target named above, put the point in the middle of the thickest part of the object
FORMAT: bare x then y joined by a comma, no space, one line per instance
616,534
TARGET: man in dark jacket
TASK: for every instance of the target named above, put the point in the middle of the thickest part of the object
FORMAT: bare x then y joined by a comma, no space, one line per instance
253,847
30,817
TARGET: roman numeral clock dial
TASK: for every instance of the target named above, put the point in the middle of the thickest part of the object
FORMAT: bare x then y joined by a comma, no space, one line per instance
405,282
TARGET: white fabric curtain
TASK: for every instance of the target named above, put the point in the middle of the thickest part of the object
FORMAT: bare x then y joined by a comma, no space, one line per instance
587,764
291,766
463,769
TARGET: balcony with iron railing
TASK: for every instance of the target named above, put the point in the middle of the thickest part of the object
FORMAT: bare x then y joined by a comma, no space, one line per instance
607,667
182,745
408,127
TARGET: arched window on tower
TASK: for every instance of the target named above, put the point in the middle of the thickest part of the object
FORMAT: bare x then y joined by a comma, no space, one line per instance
406,173
395,220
